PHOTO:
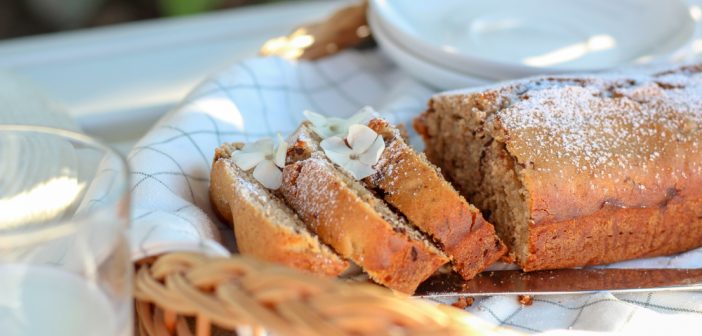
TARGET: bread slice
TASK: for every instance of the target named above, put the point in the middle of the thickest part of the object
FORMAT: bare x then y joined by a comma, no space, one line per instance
578,171
358,225
264,226
417,189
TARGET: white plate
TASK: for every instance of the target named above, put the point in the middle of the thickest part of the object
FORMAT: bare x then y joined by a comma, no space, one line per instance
420,68
514,38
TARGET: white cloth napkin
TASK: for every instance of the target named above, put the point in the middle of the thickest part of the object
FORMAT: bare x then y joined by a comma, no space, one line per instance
263,96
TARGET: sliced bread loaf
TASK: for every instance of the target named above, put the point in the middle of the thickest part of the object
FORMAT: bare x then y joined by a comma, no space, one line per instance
417,189
352,220
264,226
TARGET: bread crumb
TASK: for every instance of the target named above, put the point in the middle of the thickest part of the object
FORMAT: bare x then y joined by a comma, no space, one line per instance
525,300
509,258
463,302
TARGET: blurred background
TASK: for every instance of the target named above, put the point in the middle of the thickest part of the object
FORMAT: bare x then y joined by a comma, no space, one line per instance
30,17
142,58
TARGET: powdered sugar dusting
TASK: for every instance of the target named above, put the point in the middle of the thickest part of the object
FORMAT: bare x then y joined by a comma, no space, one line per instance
595,122
253,191
310,195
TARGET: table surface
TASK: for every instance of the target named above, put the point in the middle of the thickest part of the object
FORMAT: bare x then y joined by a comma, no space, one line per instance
117,81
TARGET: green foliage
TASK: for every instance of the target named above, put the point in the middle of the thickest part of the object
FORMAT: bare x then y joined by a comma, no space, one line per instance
185,7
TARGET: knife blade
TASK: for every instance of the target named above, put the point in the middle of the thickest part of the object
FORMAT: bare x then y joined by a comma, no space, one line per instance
565,281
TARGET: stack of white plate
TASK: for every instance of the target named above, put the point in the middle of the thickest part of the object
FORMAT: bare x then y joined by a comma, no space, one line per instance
457,43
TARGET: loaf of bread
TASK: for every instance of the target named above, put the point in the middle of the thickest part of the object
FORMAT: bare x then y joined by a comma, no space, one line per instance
263,225
353,221
578,171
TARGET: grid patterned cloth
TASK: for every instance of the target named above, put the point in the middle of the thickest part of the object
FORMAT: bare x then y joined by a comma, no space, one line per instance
260,97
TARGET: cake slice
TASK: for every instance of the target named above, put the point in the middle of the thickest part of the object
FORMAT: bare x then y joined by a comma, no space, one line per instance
417,189
577,171
348,217
264,226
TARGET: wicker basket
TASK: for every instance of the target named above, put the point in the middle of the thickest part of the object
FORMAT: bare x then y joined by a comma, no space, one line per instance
192,294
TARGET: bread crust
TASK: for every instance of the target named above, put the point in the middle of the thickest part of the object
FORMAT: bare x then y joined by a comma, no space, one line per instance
593,214
354,229
422,195
614,234
258,235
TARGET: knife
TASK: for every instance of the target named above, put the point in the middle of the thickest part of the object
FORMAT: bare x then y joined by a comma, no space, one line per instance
565,281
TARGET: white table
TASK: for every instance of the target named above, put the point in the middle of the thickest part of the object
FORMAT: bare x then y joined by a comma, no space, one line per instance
117,81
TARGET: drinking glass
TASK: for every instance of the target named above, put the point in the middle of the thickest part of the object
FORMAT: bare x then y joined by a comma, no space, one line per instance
65,266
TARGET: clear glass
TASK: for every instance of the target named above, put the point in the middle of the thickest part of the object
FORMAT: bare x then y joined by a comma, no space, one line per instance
65,266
